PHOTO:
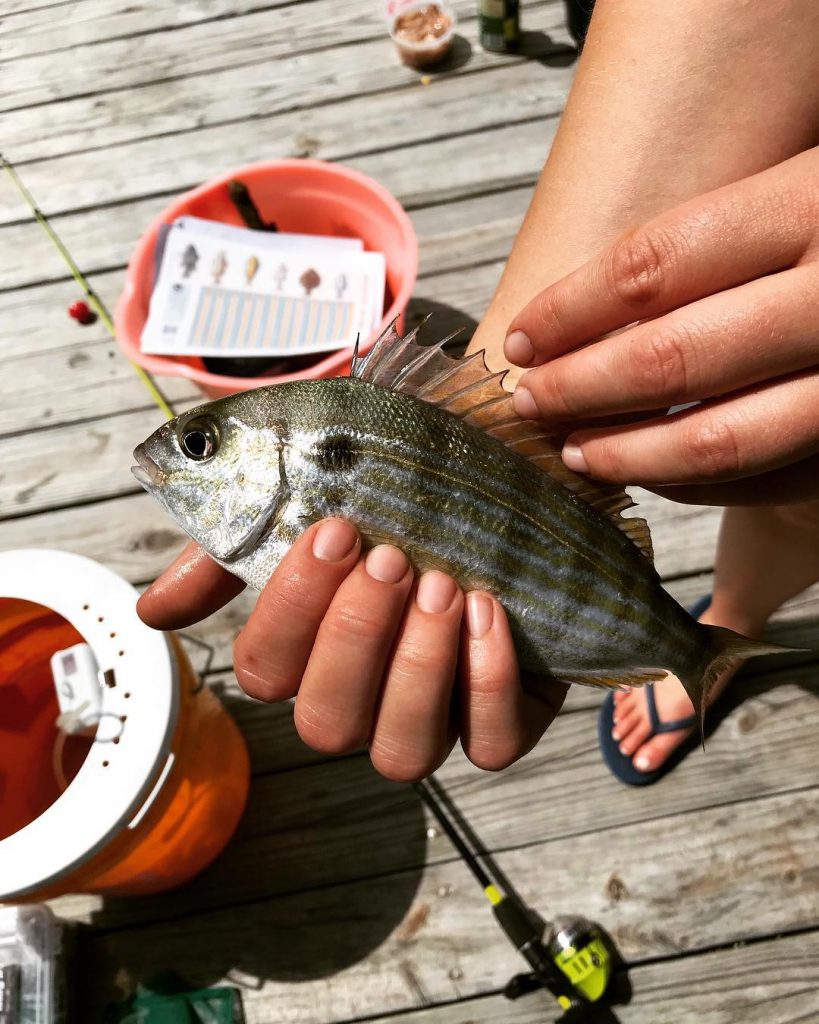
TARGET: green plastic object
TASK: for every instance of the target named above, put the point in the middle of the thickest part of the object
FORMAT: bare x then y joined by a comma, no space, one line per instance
202,1006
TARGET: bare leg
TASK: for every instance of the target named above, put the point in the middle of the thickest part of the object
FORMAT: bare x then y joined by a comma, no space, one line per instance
666,107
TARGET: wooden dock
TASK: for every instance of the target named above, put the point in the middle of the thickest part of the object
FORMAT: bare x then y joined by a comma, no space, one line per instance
338,901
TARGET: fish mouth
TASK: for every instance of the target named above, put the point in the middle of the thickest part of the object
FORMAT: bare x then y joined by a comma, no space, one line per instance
146,471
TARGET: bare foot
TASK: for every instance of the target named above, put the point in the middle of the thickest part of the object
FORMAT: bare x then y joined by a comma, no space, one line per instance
632,727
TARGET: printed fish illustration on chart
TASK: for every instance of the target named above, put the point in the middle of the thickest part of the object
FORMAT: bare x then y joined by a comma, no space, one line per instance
280,275
189,259
426,452
219,267
251,269
310,280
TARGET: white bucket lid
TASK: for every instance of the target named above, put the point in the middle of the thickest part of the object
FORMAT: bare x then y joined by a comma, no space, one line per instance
101,799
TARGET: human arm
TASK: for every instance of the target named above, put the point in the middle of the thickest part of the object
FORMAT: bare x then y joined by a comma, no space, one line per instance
669,102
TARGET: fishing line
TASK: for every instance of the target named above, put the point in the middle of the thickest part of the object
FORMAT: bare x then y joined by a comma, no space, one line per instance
96,302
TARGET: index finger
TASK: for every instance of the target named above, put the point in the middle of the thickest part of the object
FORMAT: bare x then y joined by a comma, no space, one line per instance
720,240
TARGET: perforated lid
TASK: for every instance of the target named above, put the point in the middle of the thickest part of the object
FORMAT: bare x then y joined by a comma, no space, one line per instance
139,714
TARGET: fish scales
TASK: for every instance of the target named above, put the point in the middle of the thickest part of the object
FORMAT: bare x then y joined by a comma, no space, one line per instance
525,573
547,560
245,475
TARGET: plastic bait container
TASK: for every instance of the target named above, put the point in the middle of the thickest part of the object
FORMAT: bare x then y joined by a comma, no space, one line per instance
155,793
422,30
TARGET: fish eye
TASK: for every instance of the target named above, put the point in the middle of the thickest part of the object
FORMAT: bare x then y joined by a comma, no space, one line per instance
199,439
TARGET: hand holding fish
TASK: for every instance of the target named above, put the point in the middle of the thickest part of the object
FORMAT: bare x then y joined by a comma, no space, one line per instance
370,653
713,302
285,487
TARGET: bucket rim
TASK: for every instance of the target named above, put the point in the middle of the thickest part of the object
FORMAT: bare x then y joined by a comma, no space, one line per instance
116,779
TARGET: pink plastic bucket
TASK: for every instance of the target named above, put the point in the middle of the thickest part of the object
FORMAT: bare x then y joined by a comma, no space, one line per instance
307,196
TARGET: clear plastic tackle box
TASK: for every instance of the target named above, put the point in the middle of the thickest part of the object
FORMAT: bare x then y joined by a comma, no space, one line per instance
30,958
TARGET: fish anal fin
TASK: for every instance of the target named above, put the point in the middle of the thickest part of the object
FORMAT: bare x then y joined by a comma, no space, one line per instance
467,388
614,680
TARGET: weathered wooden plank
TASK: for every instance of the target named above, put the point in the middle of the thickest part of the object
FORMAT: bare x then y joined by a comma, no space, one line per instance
103,238
465,232
84,380
39,476
29,32
25,7
771,982
34,320
132,535
327,823
175,162
660,887
260,43
232,94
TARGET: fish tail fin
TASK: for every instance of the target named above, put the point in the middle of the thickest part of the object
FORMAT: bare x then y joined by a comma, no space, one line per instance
726,648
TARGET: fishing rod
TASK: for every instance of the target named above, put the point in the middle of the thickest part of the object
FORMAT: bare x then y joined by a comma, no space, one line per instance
96,302
573,959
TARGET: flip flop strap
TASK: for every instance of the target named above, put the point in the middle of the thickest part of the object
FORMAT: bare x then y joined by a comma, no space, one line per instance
656,725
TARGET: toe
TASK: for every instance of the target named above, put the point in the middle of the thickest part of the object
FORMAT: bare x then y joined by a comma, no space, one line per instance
635,738
626,723
626,705
653,754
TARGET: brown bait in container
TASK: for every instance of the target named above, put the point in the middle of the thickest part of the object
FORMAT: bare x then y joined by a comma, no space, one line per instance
423,33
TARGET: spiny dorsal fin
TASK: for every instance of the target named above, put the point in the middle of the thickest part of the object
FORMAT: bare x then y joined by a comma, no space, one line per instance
639,534
469,389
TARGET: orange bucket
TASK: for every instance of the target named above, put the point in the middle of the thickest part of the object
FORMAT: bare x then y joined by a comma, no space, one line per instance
311,197
138,802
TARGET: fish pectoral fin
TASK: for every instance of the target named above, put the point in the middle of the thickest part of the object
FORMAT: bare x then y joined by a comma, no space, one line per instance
613,680
231,548
467,388
269,513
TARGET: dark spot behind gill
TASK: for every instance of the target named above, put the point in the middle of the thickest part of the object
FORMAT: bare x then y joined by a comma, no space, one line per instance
337,453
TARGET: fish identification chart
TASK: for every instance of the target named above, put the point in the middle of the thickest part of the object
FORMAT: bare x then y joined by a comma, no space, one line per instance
224,290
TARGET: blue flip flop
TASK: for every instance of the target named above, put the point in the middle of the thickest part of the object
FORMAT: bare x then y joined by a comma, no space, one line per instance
620,765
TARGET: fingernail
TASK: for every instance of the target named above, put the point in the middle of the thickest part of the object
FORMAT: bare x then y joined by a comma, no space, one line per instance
524,404
642,763
574,458
480,610
518,349
334,540
615,735
623,750
435,592
386,564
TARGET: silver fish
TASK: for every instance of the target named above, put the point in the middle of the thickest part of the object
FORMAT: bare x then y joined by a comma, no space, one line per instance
425,452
